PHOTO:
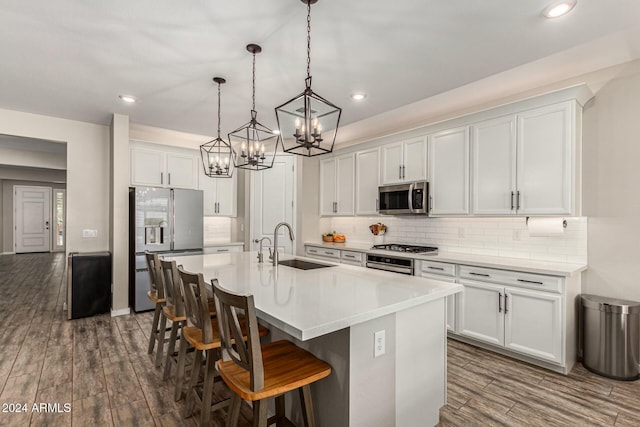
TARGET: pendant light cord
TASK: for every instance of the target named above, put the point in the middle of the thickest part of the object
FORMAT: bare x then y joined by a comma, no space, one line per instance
308,38
253,82
218,110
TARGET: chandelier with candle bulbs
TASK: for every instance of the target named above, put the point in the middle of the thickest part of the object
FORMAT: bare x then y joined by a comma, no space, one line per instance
217,155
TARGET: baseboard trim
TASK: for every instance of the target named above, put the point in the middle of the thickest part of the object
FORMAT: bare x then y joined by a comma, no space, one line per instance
7,253
121,312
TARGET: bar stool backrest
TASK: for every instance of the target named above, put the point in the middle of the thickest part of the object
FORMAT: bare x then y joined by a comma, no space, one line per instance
196,304
246,354
155,274
172,286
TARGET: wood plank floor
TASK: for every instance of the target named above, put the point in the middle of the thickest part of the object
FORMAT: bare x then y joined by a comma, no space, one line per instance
100,367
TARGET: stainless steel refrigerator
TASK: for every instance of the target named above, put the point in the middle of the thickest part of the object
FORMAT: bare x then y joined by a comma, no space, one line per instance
163,220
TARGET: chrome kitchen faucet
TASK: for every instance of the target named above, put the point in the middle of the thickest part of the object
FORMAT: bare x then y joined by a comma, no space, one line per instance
274,256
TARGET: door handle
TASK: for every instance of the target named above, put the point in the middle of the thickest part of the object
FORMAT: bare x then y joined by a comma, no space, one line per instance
403,174
169,178
518,200
512,205
506,303
400,172
499,302
161,177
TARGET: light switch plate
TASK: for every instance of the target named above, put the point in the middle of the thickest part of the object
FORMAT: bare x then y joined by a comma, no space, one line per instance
379,345
90,233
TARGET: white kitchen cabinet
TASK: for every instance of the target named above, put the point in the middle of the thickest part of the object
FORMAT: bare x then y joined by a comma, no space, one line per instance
222,249
524,164
451,299
219,195
159,168
405,161
367,181
545,147
480,314
533,323
493,166
521,312
337,181
449,172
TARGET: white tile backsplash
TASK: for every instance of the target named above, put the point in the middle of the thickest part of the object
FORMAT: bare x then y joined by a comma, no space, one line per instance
217,230
506,237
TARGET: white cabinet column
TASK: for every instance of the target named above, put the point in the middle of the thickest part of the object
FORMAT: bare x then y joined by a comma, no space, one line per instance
367,181
449,172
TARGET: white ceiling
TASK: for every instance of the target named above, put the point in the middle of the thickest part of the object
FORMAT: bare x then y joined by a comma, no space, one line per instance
71,59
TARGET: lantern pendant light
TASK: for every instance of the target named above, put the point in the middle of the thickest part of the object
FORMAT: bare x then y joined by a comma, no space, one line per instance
217,155
252,138
308,123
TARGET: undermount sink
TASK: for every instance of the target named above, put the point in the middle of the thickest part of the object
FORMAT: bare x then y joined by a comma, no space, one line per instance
303,265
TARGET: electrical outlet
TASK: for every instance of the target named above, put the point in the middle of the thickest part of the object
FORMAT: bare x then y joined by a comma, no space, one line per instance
379,343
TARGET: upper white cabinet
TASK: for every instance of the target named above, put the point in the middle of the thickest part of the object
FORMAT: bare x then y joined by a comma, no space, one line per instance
449,172
219,194
337,180
524,163
158,168
493,166
405,161
367,181
545,153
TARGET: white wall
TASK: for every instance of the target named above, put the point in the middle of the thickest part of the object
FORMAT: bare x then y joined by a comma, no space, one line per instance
611,155
87,172
34,159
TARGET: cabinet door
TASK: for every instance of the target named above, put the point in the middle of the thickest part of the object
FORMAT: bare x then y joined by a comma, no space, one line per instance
367,181
147,167
182,170
480,314
415,160
392,162
328,187
208,187
493,166
345,184
533,324
545,159
449,172
226,195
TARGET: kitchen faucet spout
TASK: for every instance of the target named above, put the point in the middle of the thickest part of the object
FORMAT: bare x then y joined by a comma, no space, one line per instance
275,255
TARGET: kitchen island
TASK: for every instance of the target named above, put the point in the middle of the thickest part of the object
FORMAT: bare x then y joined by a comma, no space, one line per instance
335,312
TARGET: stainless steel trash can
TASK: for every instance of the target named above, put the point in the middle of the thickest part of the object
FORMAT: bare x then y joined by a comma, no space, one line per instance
611,337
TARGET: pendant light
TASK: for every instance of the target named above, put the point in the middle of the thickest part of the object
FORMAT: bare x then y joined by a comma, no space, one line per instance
308,123
217,155
250,138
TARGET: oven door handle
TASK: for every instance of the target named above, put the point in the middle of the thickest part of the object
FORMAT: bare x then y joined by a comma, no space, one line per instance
389,267
411,186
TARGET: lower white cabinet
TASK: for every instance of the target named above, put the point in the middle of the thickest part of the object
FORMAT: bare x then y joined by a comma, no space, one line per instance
522,320
223,249
451,300
343,256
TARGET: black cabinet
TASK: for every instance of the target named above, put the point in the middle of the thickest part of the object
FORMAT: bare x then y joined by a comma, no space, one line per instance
88,284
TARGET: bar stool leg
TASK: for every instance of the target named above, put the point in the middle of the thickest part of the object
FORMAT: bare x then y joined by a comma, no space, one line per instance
260,413
207,388
170,350
195,373
233,414
163,330
182,355
154,328
307,406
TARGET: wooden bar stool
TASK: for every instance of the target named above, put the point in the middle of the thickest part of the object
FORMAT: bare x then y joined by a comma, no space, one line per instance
256,373
202,333
156,295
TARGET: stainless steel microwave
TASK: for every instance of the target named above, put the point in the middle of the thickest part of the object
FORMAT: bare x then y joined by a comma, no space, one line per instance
399,199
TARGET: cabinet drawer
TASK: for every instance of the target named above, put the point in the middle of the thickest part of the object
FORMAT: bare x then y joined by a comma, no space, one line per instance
314,251
513,278
352,256
434,267
222,249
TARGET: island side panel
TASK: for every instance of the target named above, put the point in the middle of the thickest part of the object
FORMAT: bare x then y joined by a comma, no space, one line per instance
330,395
372,379
421,357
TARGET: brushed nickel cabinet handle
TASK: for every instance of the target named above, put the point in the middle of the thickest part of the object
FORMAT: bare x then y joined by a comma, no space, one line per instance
499,302
436,268
506,303
479,274
530,281
161,177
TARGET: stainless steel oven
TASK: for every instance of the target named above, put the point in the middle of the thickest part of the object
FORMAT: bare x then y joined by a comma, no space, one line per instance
390,263
409,198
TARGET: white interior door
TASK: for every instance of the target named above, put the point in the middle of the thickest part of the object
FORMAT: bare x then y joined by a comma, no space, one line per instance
273,201
32,218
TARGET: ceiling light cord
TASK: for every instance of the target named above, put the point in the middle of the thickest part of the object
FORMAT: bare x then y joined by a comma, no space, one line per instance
308,40
218,110
253,82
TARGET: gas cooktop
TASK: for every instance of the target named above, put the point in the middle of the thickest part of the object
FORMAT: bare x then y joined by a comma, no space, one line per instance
415,249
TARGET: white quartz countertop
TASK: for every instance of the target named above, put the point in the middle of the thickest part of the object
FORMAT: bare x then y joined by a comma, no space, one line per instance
503,263
309,303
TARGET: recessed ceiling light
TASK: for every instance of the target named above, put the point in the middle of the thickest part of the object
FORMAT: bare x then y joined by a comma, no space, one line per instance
358,96
558,9
127,98
276,131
